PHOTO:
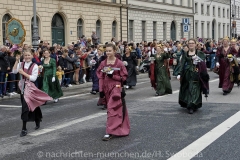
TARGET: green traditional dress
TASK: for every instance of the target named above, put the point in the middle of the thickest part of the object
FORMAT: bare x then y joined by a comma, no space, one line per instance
53,89
190,94
177,67
161,75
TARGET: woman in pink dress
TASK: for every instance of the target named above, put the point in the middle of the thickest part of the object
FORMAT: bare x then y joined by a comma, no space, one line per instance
110,87
31,96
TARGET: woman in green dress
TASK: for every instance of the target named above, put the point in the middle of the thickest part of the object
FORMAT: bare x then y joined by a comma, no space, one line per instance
51,84
190,94
176,60
163,85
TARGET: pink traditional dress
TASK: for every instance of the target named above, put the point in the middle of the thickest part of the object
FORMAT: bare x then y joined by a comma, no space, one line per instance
31,96
117,114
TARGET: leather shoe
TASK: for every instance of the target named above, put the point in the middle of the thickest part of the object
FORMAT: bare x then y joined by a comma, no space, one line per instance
23,133
190,111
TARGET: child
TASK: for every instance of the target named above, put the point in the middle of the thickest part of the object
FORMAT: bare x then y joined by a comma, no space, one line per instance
31,96
110,87
59,74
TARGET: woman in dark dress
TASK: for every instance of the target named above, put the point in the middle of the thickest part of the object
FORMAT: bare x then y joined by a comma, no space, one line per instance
131,67
190,94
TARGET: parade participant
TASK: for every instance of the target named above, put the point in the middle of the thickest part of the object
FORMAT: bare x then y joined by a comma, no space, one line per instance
95,62
176,60
234,45
50,81
163,85
112,73
223,64
31,96
131,67
194,78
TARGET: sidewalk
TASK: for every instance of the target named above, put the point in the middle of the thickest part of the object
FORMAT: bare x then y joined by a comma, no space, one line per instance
77,89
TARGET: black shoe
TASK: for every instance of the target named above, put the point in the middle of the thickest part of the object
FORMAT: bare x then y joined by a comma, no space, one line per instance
93,92
1,95
37,127
225,93
190,111
156,94
104,107
23,133
107,137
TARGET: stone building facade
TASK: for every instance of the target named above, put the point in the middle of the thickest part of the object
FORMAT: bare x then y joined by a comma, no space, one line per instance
235,13
212,19
63,21
159,19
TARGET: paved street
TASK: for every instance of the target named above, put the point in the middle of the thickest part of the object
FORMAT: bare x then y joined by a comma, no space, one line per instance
160,128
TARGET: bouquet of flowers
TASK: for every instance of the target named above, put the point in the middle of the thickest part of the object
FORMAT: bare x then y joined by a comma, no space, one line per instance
107,70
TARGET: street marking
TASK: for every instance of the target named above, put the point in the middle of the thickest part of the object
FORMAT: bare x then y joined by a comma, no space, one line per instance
10,106
78,95
197,146
47,130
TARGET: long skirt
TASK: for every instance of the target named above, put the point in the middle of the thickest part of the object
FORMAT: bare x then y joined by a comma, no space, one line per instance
117,114
132,76
29,116
95,81
53,89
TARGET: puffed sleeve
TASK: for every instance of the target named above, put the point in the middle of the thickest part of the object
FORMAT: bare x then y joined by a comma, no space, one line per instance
100,75
123,73
53,63
15,71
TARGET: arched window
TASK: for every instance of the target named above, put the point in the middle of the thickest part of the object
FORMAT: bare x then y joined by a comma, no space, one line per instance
98,29
58,30
37,22
5,19
114,29
80,27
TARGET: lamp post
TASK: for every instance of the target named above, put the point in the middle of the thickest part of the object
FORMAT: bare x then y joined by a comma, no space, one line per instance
35,27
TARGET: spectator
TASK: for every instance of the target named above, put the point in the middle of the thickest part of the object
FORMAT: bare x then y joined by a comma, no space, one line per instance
4,68
94,37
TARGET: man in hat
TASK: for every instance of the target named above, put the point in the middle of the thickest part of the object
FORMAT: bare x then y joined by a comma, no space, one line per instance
94,37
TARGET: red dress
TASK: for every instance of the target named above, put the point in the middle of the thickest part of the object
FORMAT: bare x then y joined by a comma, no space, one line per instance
117,114
224,68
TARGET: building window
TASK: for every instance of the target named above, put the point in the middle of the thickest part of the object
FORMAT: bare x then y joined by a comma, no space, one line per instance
223,12
208,29
208,13
154,30
164,30
196,29
173,2
80,27
228,32
213,11
196,7
202,30
219,12
224,30
202,9
131,29
98,30
189,3
5,19
181,2
143,30
238,12
114,29
219,30
227,13
114,1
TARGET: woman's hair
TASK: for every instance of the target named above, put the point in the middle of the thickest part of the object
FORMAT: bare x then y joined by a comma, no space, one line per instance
64,50
191,39
28,50
112,46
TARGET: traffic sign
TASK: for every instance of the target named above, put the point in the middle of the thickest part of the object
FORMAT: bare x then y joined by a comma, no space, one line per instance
186,21
186,28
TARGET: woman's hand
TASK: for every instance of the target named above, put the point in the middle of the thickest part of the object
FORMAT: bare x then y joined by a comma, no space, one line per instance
18,57
21,71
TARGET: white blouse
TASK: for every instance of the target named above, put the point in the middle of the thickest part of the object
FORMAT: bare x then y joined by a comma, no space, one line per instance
34,75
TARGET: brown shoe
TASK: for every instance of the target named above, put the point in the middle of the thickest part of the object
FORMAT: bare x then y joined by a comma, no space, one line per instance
77,83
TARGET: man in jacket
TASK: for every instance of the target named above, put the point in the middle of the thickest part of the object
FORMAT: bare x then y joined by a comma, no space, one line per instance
4,67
